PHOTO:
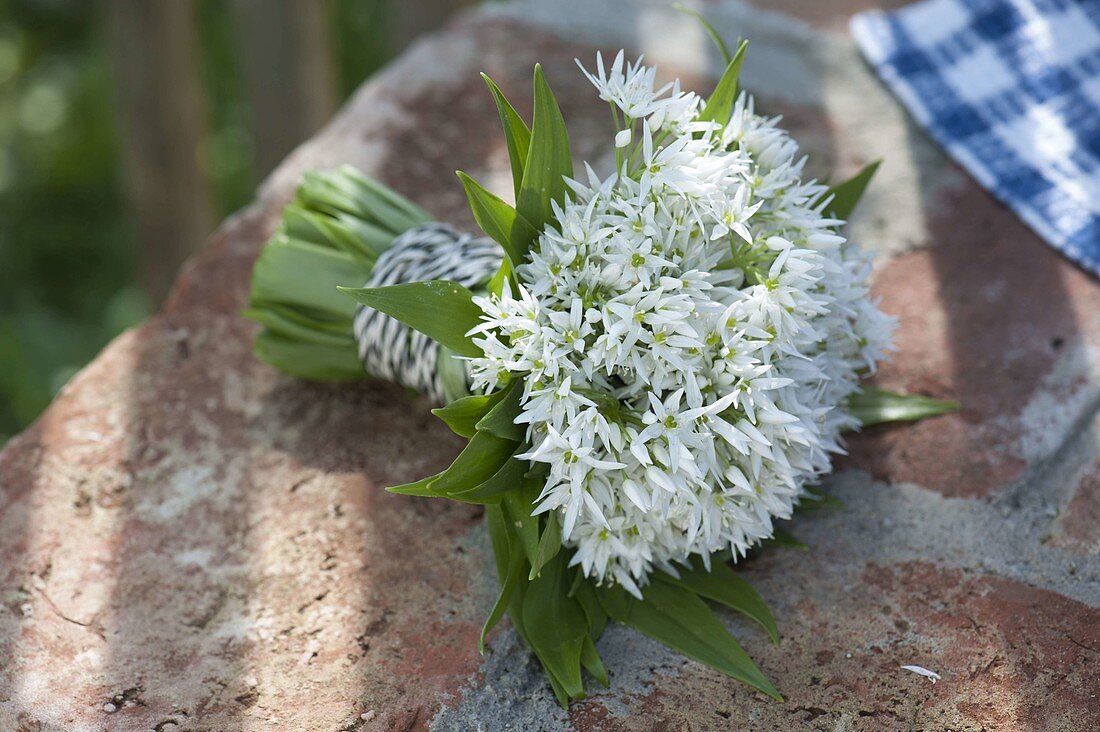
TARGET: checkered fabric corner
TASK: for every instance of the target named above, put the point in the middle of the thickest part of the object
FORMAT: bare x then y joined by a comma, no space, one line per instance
1011,88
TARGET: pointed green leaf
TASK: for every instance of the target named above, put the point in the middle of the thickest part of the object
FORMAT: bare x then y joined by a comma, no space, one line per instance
462,415
720,105
679,619
874,406
585,594
501,540
590,659
515,576
516,134
549,543
483,456
510,477
846,195
443,311
548,159
422,487
501,419
504,274
499,220
518,505
717,39
560,693
615,601
452,373
722,585
556,626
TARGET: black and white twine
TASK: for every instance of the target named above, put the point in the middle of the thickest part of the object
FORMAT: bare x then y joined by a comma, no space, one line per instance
391,350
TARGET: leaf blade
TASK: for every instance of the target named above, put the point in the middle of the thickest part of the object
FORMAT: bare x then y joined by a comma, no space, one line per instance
517,136
509,477
482,457
507,588
498,220
719,42
549,544
556,626
846,195
720,105
462,415
876,406
501,419
722,585
679,619
443,311
549,161
518,506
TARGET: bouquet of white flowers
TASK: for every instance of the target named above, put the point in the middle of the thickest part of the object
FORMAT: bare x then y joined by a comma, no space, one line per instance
652,366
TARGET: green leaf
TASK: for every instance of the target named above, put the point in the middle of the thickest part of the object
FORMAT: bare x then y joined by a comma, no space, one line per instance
452,375
422,487
443,311
722,585
499,220
590,659
846,195
679,619
516,134
501,419
714,36
548,159
556,626
549,543
874,406
615,601
462,415
585,594
510,477
505,273
559,691
501,539
518,506
483,456
508,586
720,105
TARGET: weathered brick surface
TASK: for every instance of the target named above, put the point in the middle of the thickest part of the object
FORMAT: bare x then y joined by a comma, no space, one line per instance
193,542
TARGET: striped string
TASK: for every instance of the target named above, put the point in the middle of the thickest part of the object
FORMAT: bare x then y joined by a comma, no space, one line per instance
391,350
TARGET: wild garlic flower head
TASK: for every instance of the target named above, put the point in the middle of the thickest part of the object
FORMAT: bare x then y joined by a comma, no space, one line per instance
687,333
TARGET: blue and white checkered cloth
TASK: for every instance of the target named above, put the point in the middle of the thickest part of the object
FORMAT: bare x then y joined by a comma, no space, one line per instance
1011,88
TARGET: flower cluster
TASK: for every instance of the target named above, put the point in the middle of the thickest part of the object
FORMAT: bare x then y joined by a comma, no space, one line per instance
687,332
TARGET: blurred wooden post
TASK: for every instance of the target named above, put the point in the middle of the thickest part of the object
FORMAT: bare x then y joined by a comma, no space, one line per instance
289,75
411,18
161,124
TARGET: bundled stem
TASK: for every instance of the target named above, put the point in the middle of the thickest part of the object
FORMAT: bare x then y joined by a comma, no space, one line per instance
332,233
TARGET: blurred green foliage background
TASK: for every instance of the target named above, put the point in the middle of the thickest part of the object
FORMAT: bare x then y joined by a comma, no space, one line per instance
67,272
